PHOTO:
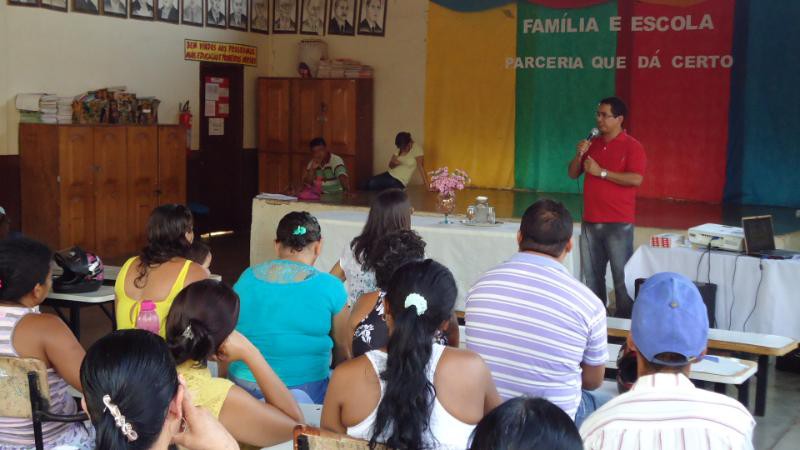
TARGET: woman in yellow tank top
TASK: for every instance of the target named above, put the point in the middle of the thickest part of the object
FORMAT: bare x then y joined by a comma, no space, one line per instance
161,270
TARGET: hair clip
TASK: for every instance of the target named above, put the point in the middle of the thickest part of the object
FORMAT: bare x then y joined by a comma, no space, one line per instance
119,419
417,301
299,231
187,333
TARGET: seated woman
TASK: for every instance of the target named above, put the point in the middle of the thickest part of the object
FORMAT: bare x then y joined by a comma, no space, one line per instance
200,326
409,157
413,393
136,401
25,280
390,211
326,167
161,270
526,424
290,311
367,320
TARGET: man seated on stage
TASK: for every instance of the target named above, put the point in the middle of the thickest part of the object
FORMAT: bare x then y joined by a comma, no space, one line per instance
326,167
613,165
542,332
669,332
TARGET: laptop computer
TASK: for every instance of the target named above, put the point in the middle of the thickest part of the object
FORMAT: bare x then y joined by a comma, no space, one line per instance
759,239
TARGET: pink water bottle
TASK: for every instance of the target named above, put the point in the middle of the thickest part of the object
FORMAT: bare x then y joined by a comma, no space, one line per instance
318,185
148,317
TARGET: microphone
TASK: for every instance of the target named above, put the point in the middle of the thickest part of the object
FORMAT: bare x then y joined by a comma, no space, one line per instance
593,134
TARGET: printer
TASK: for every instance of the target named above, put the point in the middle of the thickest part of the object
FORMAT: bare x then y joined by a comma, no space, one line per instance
718,236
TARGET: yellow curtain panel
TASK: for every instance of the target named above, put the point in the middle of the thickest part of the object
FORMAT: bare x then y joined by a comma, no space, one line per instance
470,93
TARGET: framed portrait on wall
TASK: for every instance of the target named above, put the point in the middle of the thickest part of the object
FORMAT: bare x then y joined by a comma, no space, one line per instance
192,12
85,6
168,11
259,16
284,16
342,17
372,18
24,2
142,9
312,17
116,8
216,14
58,5
237,14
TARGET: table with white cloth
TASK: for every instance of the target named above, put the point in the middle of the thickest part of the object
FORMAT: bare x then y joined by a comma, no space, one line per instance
468,251
753,294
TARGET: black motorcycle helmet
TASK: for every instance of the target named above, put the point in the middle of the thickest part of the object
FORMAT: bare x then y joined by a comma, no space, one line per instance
627,373
83,271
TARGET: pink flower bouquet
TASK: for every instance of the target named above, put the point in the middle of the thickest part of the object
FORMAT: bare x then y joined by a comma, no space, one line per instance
447,183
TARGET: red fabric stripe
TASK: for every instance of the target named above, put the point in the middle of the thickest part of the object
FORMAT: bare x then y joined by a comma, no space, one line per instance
680,115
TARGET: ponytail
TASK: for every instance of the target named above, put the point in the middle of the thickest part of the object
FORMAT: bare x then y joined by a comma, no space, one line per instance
403,416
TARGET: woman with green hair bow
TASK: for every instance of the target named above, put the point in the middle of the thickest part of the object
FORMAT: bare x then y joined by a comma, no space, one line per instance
293,313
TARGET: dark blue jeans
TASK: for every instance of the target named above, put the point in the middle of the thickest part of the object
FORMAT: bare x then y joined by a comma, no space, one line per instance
384,181
603,243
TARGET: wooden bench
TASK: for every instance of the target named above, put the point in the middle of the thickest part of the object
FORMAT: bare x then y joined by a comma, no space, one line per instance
761,345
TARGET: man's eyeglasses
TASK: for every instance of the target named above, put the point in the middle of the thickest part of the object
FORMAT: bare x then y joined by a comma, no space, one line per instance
602,115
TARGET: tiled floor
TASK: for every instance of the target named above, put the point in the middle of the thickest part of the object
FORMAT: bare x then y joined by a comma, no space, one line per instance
779,429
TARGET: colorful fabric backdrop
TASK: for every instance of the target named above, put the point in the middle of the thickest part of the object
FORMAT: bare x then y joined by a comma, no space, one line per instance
710,85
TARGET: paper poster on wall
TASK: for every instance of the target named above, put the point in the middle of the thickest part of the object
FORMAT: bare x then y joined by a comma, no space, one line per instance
211,108
217,89
212,91
216,126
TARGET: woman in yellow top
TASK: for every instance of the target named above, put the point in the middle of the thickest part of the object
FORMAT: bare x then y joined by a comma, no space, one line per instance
409,157
161,270
200,327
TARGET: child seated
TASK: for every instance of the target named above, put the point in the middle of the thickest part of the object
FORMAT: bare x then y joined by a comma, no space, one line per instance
200,326
25,281
200,253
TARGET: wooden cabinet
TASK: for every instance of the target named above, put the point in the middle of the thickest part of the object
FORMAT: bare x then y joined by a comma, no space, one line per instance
95,186
292,111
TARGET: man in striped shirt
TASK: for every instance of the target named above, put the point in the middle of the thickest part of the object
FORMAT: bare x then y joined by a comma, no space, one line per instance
542,332
663,410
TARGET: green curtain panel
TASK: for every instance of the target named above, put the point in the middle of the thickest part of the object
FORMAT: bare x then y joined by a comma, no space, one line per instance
555,107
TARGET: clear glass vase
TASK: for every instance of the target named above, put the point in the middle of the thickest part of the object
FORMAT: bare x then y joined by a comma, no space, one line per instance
446,204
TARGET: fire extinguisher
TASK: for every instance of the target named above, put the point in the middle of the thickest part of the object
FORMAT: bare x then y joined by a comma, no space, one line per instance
185,119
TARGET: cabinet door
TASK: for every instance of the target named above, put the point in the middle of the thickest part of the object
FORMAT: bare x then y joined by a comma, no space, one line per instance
39,183
273,115
275,170
111,191
142,181
171,164
340,123
308,112
299,164
77,168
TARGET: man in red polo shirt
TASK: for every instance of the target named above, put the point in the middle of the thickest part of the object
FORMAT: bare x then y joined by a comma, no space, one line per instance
614,164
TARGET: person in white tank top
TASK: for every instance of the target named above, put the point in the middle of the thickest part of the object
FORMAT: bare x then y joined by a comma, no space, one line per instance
413,393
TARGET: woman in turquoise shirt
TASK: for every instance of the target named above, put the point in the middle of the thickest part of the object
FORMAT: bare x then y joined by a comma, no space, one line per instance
293,312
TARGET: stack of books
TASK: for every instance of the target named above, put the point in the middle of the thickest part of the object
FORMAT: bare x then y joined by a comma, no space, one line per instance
48,105
64,114
343,68
28,106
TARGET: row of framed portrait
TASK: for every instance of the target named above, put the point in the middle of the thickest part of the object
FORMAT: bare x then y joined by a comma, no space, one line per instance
313,17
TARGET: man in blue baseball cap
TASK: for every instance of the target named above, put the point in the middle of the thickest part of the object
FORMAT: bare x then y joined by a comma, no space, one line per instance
669,332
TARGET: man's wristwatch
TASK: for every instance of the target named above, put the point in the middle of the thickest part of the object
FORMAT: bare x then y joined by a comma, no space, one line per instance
603,173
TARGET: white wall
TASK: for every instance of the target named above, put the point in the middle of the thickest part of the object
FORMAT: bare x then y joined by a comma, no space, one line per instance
42,50
399,60
67,54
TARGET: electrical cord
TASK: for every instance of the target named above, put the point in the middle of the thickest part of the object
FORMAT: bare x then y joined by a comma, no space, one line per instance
758,288
733,290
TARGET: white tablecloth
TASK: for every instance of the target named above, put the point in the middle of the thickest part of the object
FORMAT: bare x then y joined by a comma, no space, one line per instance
467,251
776,300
